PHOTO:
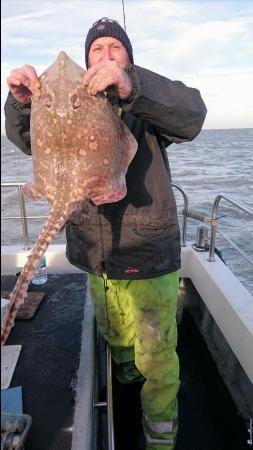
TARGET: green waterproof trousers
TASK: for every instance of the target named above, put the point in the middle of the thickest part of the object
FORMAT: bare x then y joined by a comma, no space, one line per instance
138,319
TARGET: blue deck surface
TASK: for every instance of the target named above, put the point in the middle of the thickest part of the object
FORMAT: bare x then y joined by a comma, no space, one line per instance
11,400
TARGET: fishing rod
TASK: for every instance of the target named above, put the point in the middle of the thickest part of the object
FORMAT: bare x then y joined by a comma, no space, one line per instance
124,16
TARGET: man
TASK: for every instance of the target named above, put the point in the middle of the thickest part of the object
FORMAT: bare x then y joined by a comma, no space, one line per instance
131,249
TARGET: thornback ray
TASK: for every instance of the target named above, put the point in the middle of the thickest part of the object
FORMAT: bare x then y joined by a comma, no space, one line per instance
81,151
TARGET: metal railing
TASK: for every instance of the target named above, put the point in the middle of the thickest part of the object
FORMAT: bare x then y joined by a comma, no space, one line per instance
24,218
186,208
212,221
85,430
108,404
110,422
216,203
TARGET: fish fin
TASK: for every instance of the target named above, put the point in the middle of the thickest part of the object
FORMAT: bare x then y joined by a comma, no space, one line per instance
117,190
113,193
130,145
31,191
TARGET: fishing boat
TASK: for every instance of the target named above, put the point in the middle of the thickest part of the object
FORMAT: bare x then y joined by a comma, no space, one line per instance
65,368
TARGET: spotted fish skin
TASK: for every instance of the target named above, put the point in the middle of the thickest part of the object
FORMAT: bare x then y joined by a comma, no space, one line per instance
77,137
81,150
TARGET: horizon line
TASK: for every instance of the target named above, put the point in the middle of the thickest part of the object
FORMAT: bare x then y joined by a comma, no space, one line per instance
203,129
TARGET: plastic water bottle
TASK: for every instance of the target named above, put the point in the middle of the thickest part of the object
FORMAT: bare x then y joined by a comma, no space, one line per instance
40,274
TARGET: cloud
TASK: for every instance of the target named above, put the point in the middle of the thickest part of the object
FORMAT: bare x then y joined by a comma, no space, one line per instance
204,44
228,97
196,39
14,21
195,46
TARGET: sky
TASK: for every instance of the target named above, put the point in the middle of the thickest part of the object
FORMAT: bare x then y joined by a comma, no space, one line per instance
206,44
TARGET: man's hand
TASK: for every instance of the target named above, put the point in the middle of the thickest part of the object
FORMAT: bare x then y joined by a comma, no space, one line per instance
23,82
108,73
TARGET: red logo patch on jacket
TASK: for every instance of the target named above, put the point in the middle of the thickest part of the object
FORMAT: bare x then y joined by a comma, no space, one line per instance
132,270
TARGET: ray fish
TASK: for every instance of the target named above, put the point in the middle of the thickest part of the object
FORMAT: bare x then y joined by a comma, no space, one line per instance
81,151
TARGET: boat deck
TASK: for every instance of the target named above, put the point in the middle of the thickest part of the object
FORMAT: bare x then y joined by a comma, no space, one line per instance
47,371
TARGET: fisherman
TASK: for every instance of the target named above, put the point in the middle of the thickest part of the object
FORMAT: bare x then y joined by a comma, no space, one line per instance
131,248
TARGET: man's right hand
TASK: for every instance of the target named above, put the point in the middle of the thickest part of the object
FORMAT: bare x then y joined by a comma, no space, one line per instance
23,83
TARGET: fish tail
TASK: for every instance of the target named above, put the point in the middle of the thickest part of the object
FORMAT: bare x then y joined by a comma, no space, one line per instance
56,220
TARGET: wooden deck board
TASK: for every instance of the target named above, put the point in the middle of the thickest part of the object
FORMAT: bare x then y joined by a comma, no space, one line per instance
30,305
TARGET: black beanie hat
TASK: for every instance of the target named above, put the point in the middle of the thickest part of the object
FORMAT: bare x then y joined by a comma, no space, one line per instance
108,28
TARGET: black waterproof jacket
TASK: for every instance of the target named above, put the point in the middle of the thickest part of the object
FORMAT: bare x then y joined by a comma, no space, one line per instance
137,237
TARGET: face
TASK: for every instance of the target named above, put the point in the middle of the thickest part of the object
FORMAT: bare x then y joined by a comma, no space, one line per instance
108,48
